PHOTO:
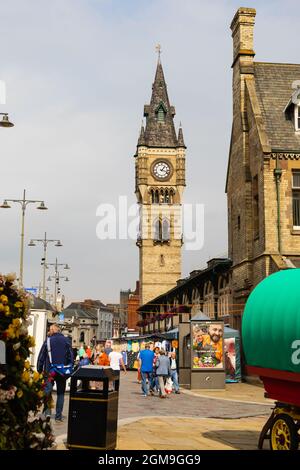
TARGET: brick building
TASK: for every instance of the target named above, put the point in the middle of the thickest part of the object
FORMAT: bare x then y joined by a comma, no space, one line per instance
132,306
262,186
263,179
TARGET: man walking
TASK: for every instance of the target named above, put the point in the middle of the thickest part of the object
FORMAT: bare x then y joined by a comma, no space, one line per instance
174,373
146,358
56,349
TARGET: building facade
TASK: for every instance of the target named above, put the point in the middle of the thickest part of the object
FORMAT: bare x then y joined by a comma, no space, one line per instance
262,187
263,179
88,321
133,305
160,181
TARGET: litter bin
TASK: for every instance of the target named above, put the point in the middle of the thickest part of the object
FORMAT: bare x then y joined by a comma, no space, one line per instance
93,408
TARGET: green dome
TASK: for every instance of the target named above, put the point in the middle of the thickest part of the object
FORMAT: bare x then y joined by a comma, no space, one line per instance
271,323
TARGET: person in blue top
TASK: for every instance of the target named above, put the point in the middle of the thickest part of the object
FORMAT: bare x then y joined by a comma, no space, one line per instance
60,351
146,357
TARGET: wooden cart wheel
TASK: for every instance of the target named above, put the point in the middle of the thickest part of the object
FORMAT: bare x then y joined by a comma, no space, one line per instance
284,435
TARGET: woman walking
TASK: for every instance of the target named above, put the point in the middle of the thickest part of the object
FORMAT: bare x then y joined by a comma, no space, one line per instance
163,371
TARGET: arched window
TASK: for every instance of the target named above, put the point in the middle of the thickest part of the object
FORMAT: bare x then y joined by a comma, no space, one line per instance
162,196
81,339
152,196
157,230
161,114
167,197
171,196
156,197
165,230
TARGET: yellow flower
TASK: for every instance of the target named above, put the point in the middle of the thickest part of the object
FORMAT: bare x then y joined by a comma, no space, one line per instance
4,299
25,376
27,365
19,304
19,393
17,357
1,307
40,394
31,341
36,376
6,310
16,322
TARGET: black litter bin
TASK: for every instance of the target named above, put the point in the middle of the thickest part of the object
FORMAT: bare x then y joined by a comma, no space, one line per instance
93,408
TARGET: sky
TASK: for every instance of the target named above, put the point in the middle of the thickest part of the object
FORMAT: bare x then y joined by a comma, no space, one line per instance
77,74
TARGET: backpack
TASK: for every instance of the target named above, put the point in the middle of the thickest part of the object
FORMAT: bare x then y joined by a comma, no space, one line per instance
61,369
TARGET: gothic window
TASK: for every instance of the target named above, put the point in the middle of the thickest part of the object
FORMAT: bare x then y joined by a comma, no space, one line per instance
162,196
156,197
167,197
296,198
152,196
157,230
161,114
297,118
165,230
171,196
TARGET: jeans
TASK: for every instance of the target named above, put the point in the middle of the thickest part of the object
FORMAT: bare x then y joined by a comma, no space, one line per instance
174,377
60,391
145,376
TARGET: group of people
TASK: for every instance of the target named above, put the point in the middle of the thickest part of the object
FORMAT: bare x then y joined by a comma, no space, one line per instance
156,368
57,349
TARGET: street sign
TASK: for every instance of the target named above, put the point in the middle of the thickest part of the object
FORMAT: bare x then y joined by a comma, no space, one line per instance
32,290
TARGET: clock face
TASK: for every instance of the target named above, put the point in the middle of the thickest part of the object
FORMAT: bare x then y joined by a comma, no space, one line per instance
161,170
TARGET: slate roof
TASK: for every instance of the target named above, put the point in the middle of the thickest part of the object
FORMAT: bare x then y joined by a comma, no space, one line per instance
159,134
273,84
40,304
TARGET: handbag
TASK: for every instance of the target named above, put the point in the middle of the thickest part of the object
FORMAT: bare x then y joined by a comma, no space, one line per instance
61,369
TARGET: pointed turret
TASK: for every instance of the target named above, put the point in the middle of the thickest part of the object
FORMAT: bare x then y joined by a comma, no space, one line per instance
160,130
180,138
141,140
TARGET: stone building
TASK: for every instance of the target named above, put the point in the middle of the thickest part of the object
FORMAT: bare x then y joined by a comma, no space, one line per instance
160,181
88,321
133,305
263,179
205,289
262,186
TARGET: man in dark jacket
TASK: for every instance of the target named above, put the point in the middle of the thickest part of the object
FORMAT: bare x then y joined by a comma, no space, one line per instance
60,353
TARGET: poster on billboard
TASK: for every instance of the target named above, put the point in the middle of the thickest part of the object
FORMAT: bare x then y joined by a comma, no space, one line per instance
230,358
207,349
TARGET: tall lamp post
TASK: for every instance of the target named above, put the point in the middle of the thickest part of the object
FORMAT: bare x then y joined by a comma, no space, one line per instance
45,242
57,276
24,203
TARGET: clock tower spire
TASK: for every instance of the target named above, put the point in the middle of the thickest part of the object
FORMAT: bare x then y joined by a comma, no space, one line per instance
160,181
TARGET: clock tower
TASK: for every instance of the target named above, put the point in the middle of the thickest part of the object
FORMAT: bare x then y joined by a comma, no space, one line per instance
160,181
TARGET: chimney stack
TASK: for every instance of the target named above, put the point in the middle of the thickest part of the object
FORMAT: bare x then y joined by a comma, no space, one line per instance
242,27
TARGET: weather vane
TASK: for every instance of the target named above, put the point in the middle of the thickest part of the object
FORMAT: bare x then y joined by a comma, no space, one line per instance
158,50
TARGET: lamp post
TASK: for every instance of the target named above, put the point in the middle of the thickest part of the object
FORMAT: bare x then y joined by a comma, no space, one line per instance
45,242
24,203
57,277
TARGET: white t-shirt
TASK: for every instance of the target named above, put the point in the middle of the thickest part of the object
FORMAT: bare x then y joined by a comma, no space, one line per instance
115,358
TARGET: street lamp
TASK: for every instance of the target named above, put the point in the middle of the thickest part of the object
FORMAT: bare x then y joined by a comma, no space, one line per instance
24,203
45,242
57,277
5,121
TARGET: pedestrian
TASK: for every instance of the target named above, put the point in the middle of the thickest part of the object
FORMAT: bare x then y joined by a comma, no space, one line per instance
102,357
81,351
174,373
56,349
162,371
146,357
108,347
116,360
155,385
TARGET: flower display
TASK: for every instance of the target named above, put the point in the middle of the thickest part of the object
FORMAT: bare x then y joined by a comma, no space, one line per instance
21,388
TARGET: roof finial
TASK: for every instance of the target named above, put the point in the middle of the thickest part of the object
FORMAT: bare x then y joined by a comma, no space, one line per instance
158,50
